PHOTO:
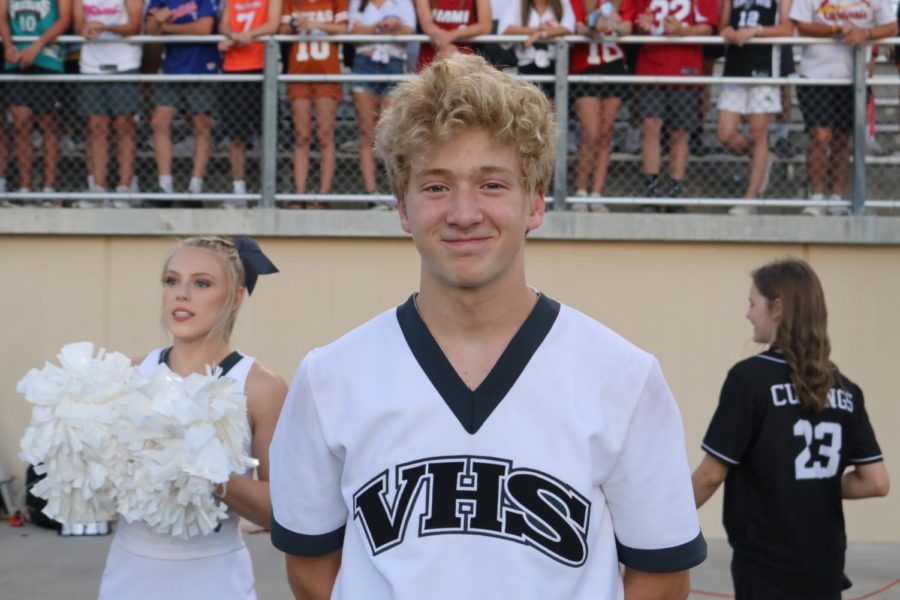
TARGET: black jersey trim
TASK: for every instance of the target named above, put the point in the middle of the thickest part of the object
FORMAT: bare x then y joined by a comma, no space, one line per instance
719,455
473,407
868,459
769,355
226,363
298,544
664,560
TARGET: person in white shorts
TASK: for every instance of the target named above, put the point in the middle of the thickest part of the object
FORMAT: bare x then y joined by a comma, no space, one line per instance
755,103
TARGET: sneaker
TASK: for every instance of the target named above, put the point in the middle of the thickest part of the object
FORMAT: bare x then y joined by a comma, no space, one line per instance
742,210
47,202
784,148
92,203
839,209
814,211
230,204
120,202
579,206
383,206
598,207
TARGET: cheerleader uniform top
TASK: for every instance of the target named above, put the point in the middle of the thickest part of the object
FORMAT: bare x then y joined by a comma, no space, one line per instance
140,539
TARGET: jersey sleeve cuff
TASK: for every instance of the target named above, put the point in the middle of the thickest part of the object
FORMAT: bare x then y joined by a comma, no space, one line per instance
298,544
664,560
867,460
719,455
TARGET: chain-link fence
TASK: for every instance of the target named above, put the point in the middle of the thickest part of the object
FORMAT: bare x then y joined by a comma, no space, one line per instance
628,143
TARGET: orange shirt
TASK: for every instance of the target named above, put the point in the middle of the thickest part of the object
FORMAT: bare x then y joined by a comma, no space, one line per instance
313,58
244,15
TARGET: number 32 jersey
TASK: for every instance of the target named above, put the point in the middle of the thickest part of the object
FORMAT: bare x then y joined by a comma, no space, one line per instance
314,58
674,59
783,508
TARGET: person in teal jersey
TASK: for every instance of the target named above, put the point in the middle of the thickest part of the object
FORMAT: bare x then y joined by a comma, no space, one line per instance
46,19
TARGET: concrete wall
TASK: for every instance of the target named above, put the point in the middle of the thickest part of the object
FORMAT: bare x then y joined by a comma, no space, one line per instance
684,301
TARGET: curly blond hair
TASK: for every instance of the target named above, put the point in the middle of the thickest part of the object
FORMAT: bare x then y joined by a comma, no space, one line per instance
465,92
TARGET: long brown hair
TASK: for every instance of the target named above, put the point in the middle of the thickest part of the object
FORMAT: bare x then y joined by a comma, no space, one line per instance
555,6
802,333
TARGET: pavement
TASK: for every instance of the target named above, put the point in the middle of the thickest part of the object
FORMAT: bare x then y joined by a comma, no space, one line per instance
37,564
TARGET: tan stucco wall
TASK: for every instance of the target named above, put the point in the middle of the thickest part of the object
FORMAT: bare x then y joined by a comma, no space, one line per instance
682,301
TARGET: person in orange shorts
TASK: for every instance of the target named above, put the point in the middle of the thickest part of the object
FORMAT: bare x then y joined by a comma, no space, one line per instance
319,18
241,22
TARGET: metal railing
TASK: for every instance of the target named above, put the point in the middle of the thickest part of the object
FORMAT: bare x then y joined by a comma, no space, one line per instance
272,79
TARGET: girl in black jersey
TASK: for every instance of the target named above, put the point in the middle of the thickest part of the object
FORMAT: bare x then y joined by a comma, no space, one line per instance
787,426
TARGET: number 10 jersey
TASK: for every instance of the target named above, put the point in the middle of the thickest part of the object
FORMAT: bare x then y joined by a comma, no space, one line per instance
783,511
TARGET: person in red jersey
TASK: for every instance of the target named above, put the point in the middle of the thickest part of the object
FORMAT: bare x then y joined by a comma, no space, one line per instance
675,104
446,22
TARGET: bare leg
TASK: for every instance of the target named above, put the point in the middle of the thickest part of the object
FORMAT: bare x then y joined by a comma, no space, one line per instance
608,112
840,162
98,147
51,148
127,147
23,122
650,148
817,158
326,111
161,123
301,109
203,144
678,157
366,115
588,109
759,131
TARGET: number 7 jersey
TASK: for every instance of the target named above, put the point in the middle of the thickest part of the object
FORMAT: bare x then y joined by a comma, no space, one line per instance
783,509
311,58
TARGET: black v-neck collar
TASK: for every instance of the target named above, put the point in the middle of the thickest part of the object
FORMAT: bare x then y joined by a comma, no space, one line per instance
226,365
473,407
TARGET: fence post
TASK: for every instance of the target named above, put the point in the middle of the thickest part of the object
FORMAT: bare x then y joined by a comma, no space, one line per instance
561,84
269,155
860,124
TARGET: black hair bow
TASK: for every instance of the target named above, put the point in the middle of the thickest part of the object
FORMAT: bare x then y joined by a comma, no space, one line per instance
255,262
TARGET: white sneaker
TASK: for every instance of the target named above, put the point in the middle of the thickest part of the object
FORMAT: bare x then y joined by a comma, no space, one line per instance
814,211
48,203
579,206
839,209
121,203
92,203
234,204
597,207
742,210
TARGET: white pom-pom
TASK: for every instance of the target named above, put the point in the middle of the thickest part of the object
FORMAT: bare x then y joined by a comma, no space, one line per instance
70,437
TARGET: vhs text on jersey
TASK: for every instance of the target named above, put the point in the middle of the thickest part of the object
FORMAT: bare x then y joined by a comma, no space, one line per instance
470,495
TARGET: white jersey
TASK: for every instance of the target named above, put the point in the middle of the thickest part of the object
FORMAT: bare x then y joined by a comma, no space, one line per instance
143,564
108,58
836,59
567,460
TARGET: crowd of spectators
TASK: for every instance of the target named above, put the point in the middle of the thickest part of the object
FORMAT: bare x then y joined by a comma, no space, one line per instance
667,114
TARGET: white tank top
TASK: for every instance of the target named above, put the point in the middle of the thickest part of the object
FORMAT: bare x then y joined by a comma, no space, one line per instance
139,539
108,58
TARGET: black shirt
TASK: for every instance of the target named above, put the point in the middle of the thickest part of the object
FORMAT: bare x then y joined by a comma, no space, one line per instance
782,510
